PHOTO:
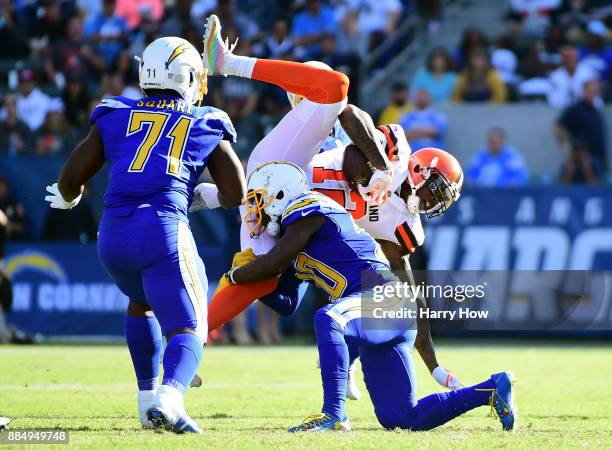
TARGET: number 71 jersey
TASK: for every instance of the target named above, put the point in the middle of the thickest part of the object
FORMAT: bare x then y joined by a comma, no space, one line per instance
156,149
390,221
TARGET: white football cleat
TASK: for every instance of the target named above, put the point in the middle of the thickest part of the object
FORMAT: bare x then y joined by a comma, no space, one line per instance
216,50
167,412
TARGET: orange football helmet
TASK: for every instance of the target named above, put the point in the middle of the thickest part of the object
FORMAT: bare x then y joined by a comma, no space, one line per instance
438,172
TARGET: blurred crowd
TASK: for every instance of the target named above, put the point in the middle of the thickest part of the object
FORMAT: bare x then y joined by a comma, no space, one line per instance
59,57
553,51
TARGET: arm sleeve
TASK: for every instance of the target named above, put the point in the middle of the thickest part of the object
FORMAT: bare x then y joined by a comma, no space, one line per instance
285,300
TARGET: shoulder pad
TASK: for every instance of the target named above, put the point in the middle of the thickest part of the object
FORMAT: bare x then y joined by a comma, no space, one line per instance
217,120
301,206
108,105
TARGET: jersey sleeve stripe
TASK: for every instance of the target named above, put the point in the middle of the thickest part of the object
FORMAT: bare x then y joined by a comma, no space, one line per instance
405,237
391,141
299,205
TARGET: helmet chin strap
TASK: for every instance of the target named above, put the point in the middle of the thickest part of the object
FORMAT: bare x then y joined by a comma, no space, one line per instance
413,202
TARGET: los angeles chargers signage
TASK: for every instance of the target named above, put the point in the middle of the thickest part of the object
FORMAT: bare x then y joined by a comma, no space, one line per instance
543,228
61,289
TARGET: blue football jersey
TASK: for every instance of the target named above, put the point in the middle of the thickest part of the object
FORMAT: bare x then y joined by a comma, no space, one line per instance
156,149
340,257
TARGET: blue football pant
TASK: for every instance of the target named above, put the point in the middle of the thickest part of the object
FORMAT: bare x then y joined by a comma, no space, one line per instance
154,261
386,361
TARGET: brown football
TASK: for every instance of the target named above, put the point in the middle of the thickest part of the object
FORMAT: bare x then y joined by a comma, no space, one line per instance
355,167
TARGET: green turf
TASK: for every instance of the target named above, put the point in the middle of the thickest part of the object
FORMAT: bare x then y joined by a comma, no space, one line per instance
251,395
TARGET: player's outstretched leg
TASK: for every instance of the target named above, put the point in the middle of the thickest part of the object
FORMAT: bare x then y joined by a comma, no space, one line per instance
391,382
144,341
316,84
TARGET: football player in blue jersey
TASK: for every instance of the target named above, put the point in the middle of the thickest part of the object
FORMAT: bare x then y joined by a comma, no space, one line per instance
156,148
320,243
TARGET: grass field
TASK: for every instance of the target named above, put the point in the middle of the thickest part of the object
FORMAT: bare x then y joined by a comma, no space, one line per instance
251,395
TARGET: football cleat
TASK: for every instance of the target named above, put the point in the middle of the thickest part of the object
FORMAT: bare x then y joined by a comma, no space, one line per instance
321,422
352,390
168,413
503,402
183,424
216,50
4,423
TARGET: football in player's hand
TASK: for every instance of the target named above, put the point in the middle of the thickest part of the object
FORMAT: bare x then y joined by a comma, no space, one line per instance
355,167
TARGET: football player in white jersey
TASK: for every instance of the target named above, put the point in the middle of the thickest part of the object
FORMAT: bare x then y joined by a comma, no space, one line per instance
384,200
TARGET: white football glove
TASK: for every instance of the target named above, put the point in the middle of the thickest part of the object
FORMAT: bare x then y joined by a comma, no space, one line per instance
57,201
375,193
446,379
206,197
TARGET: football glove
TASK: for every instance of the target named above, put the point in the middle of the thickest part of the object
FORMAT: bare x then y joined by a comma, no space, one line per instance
446,379
205,197
57,201
375,193
240,259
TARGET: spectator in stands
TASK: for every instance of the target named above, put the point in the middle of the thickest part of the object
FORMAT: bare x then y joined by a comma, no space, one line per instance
133,11
13,210
52,138
471,39
425,126
230,15
310,25
377,19
596,53
478,82
80,226
566,82
398,105
15,136
49,26
581,129
12,36
32,103
437,76
149,30
176,22
536,14
278,43
75,100
108,32
498,164
71,56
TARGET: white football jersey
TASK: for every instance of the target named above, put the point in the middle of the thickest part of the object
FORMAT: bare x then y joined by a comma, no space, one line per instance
390,221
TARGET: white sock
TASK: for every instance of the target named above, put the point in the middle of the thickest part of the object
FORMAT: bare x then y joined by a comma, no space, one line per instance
144,402
240,66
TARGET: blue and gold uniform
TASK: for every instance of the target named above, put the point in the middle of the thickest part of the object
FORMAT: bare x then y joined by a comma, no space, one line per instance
156,149
345,261
340,257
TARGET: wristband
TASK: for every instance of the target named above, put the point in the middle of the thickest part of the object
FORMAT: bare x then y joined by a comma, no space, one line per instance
230,275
